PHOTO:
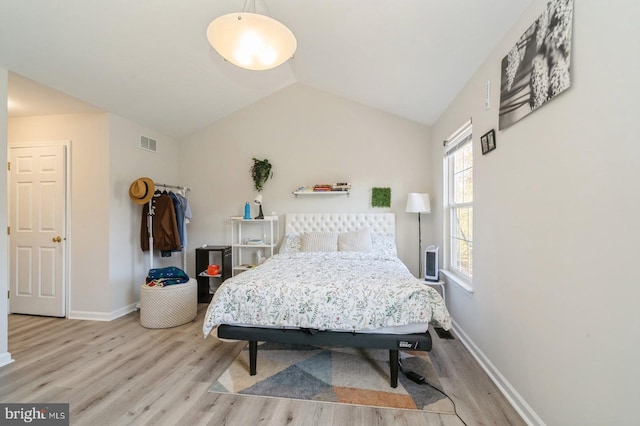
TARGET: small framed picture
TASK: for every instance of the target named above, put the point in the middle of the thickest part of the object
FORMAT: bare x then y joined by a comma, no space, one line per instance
488,141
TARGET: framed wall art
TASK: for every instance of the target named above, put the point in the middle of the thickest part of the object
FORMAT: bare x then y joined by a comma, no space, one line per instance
488,141
536,69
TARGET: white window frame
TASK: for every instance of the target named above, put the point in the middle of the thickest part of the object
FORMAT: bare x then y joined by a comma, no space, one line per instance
461,138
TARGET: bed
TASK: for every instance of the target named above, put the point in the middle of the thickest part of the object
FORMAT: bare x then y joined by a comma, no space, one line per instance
336,281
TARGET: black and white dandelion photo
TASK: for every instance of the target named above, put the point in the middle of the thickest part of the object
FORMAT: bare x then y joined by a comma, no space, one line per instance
537,68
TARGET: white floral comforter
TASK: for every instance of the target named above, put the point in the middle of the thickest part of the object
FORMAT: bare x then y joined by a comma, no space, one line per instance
327,291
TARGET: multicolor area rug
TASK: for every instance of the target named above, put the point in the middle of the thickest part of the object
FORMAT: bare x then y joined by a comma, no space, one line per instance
338,375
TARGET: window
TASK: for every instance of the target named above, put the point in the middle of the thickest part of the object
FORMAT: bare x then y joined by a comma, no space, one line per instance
458,181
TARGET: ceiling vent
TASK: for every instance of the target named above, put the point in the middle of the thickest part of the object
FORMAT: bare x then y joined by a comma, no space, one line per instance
148,144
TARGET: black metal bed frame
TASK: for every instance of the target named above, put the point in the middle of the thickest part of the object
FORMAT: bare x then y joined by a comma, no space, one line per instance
392,342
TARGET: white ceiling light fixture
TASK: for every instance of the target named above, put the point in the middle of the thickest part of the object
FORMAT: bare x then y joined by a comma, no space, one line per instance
250,40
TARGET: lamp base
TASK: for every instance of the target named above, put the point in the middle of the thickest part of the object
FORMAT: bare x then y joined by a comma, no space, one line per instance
260,214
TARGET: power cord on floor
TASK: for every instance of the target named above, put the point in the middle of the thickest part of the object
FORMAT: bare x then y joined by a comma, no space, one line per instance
415,377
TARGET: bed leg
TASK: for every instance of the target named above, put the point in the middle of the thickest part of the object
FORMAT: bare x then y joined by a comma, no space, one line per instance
253,354
393,365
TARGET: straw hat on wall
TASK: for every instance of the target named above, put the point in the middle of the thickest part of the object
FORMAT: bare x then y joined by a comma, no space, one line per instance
141,190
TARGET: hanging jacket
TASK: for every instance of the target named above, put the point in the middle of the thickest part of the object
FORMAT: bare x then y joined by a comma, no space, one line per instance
165,227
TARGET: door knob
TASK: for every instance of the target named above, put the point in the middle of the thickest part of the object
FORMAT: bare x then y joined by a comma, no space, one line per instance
57,239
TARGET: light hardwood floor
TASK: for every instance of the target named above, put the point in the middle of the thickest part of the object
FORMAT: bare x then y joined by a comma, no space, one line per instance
119,373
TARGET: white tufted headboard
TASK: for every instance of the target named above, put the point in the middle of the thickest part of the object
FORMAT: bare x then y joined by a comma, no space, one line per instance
378,223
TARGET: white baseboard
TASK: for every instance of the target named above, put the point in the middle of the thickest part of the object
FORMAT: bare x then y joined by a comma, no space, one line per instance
87,315
123,311
514,398
5,359
102,316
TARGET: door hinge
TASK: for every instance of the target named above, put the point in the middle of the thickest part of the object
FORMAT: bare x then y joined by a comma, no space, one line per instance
9,165
8,230
8,294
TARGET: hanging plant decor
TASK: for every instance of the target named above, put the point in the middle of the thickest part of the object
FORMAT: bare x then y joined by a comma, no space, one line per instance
260,173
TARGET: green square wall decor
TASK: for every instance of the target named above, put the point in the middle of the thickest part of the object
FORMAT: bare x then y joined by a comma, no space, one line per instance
381,197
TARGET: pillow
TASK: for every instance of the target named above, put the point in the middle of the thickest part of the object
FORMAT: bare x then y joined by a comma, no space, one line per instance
355,241
384,245
291,244
319,241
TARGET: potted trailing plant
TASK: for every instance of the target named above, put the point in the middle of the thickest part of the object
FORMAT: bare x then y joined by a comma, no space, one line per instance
260,173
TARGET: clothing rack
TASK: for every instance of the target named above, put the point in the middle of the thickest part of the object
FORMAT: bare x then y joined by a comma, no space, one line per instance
150,226
182,188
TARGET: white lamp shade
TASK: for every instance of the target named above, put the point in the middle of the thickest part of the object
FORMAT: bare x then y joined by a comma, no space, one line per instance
418,203
258,199
251,41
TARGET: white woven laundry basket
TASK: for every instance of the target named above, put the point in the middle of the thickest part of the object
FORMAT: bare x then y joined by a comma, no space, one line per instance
170,306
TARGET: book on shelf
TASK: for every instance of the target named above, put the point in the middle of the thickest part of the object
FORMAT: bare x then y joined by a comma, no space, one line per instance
246,266
322,187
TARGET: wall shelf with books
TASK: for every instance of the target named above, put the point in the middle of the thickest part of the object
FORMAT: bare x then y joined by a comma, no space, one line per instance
341,188
296,193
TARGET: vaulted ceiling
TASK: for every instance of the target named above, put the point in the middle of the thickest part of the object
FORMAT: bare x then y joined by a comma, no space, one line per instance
149,60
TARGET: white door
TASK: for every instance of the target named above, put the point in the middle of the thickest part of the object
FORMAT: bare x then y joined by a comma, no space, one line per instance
37,207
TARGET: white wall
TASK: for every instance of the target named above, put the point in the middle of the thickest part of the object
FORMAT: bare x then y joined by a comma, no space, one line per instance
107,264
554,315
5,356
128,265
89,228
310,137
